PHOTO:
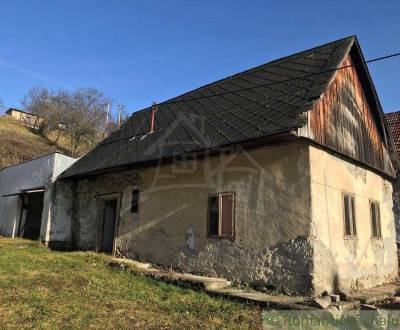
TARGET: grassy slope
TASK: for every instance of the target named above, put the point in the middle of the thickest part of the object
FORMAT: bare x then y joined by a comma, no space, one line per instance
42,288
19,143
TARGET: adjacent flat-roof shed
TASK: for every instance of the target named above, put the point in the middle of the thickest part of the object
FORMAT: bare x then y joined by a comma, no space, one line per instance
25,195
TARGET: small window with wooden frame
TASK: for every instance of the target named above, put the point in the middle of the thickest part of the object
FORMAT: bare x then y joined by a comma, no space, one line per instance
221,215
349,215
375,219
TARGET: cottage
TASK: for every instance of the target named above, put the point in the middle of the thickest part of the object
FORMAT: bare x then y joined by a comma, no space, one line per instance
26,190
279,175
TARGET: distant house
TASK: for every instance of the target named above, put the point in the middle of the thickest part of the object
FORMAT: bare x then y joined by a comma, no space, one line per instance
280,175
26,197
28,119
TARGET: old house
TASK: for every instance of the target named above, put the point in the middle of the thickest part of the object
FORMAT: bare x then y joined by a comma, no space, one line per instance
279,175
25,196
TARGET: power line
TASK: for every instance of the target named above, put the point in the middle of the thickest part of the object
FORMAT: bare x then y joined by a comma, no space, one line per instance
281,81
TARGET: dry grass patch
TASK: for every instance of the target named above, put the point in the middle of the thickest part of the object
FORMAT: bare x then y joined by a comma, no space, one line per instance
19,143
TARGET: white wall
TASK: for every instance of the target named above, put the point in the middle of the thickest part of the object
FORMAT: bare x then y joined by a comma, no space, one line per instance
349,263
38,172
61,163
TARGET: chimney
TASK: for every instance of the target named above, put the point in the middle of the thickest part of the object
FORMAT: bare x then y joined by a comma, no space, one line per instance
153,117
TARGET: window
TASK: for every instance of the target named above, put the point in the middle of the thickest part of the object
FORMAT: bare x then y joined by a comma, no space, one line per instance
135,201
350,228
375,219
221,215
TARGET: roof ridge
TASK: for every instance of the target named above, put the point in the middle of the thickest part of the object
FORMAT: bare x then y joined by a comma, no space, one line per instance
351,37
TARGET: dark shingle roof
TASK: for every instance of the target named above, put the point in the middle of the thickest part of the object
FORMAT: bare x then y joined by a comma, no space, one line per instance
198,120
393,121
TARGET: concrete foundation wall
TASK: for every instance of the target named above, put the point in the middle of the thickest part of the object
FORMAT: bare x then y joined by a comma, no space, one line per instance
341,262
272,216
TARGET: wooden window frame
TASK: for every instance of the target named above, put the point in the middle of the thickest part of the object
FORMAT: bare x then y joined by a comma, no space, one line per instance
219,195
353,220
378,224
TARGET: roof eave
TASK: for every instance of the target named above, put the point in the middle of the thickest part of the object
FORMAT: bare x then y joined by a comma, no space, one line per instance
283,136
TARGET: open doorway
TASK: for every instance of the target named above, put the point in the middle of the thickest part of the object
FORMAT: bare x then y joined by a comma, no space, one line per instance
31,215
108,216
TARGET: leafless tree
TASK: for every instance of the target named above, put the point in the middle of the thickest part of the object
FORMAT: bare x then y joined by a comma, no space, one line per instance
81,114
41,103
85,116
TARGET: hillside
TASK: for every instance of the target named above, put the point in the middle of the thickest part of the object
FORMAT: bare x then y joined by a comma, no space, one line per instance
19,143
43,289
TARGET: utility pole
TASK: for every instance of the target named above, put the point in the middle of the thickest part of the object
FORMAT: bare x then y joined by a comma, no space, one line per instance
120,107
108,114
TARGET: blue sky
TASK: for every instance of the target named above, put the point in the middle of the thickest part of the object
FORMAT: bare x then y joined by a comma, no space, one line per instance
143,51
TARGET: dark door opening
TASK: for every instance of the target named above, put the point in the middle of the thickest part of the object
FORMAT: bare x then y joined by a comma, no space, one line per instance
109,215
33,220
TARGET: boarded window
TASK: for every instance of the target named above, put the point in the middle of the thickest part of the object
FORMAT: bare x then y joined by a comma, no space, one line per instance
135,201
375,219
221,215
350,228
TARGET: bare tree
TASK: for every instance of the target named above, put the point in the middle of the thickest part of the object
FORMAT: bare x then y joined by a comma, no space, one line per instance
81,114
41,103
85,116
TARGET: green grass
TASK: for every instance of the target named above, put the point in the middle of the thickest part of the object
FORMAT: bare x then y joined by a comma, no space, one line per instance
40,288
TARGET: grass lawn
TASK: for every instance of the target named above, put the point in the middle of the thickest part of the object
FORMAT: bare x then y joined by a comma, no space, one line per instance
40,288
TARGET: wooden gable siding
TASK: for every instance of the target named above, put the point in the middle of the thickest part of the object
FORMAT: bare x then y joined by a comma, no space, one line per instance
343,120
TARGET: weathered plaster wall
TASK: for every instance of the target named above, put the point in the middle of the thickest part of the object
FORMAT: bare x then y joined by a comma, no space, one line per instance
85,210
272,193
396,206
349,263
56,229
56,218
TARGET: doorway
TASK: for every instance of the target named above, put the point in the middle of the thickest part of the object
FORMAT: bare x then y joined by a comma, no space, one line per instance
109,207
32,210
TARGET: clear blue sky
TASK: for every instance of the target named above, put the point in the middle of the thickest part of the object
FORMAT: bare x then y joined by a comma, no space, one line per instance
143,51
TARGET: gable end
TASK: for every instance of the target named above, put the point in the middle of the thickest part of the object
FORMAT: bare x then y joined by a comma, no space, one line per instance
347,117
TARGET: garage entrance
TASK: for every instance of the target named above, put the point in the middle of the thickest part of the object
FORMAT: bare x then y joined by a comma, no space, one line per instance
31,215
